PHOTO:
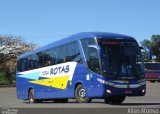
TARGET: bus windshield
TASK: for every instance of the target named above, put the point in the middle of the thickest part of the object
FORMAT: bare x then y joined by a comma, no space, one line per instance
121,59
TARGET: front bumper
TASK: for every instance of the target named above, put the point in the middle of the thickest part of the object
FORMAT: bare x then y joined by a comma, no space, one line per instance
113,91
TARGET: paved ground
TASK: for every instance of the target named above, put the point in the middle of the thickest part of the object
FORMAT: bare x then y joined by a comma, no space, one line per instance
150,100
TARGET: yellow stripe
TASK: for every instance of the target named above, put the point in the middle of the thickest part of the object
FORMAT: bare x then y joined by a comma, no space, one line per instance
57,82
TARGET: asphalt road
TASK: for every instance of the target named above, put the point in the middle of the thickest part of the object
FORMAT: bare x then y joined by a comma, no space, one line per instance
150,100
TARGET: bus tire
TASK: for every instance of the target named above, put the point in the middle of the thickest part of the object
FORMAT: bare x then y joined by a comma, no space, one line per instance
107,100
115,100
80,95
31,96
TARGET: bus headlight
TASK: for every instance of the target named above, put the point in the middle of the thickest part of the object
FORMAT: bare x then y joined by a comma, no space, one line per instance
143,90
108,91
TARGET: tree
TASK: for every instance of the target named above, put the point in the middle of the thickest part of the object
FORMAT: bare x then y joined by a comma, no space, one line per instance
10,48
146,43
154,45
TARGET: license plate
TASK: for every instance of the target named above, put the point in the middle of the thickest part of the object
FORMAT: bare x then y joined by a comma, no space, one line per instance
128,92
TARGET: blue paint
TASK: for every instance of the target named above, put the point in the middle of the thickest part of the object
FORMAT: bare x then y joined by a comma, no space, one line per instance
93,87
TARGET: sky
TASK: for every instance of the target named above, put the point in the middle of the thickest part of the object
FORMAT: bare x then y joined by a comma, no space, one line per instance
45,21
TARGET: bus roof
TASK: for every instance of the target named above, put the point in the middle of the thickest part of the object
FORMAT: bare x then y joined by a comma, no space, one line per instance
99,35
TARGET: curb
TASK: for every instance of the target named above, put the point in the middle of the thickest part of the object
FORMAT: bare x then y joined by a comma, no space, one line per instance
5,86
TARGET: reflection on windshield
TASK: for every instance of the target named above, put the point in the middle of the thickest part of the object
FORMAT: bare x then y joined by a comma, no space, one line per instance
121,59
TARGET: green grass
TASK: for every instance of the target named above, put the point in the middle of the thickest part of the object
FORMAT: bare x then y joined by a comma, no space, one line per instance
3,79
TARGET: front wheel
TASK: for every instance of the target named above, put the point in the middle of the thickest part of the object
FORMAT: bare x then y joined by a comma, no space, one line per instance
80,95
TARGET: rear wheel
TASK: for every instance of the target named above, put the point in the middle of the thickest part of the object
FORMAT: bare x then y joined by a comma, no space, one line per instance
31,96
115,100
80,95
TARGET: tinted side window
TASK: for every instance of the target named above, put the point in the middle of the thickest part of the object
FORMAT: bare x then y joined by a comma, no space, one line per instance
47,57
74,51
21,65
35,61
93,62
91,54
67,52
58,55
29,63
40,59
54,56
85,43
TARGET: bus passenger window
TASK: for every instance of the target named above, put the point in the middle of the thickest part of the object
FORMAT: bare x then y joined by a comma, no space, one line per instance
21,65
75,53
55,56
67,56
40,59
47,58
53,61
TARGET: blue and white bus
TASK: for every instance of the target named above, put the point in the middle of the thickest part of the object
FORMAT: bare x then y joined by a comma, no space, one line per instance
83,66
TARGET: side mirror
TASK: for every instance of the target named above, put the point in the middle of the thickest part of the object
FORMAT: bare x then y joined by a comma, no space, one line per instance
148,50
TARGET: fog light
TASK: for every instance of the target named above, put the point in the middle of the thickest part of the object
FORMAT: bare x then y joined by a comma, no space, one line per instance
109,91
143,90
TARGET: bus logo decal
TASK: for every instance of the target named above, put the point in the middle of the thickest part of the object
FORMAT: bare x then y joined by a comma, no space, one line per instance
56,76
